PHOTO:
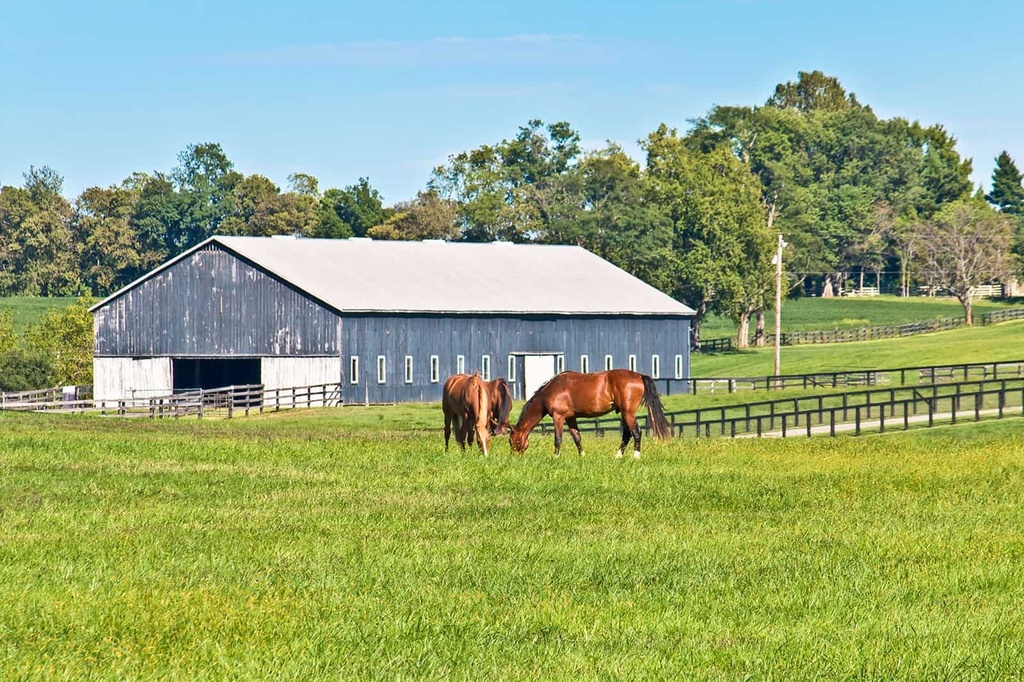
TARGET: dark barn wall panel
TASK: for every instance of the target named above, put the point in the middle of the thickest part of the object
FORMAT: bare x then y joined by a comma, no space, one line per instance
213,304
448,336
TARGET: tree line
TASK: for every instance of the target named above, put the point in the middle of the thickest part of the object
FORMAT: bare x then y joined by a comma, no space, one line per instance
698,217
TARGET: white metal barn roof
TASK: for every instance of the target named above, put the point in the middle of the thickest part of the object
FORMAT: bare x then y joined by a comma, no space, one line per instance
431,276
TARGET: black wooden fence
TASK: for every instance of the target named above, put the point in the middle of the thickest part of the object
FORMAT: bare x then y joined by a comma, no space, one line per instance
897,376
856,411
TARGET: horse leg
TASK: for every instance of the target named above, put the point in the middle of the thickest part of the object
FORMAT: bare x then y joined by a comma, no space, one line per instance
637,433
558,433
460,432
447,430
574,431
627,433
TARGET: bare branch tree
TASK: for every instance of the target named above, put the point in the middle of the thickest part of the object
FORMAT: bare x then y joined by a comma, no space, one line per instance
967,244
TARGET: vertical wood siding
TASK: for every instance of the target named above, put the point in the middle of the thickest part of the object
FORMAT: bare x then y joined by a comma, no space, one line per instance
213,304
448,336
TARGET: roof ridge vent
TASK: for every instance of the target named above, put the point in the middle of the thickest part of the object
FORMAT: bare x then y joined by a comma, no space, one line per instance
360,239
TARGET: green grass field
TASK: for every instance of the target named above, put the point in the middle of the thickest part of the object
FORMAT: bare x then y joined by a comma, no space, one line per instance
822,314
27,310
299,548
998,342
344,544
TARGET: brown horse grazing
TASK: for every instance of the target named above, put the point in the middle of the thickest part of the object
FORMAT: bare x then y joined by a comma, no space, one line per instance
466,404
501,405
570,395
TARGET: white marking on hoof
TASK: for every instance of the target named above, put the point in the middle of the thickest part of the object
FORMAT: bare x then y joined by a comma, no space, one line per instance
636,454
618,455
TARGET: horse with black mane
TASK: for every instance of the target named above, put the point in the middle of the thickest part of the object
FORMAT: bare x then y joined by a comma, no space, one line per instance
571,395
466,403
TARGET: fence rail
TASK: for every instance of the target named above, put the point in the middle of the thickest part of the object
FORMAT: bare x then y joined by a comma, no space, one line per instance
897,376
225,401
891,331
857,411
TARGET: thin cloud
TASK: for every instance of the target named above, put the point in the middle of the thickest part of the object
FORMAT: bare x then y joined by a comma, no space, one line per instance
437,52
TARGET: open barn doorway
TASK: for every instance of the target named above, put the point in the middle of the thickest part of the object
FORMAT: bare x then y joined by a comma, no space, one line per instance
206,373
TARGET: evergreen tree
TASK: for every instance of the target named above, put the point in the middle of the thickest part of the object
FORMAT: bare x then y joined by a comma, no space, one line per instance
1007,191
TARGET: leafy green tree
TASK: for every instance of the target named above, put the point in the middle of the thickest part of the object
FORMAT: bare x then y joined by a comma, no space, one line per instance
719,225
156,218
813,91
8,339
604,206
428,216
825,162
21,370
38,252
249,198
1007,191
64,339
306,185
358,206
511,190
110,247
205,178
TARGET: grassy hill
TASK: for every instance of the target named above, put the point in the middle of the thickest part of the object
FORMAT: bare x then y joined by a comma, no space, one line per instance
998,342
822,314
27,310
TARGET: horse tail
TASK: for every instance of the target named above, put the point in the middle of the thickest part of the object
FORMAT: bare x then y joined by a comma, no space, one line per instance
655,412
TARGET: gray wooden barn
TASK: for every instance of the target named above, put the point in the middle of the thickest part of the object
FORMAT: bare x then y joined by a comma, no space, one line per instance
388,321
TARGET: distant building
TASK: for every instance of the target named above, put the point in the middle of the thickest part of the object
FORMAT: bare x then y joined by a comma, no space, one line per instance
388,321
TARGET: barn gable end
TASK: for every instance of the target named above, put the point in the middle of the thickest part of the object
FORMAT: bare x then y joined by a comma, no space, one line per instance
214,304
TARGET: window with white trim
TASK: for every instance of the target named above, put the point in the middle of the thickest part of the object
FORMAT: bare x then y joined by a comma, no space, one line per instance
609,363
679,366
435,369
382,369
655,366
485,367
353,369
584,363
632,363
408,369
559,364
511,368
460,364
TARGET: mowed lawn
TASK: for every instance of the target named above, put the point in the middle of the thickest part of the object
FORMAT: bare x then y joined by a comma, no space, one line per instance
994,343
293,547
822,314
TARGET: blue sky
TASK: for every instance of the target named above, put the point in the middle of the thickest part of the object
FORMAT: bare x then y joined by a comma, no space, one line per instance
389,90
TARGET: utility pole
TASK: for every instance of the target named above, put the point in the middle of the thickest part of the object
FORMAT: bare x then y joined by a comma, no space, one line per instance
778,304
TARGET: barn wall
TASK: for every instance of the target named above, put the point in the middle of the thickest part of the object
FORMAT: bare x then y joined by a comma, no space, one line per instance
282,373
497,336
212,304
126,378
